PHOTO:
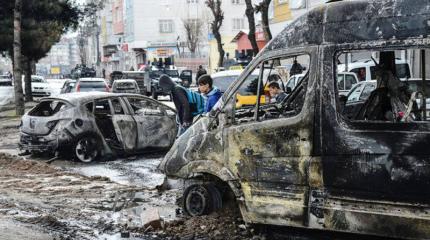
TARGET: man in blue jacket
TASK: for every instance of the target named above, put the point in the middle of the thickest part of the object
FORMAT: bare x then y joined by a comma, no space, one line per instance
212,93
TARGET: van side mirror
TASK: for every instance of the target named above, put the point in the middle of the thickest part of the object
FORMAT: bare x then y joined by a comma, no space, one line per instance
289,90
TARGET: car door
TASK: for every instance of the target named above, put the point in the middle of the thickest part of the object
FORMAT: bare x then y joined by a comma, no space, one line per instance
156,125
124,124
270,152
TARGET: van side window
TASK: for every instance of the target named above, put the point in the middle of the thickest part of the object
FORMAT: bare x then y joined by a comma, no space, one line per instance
281,99
246,98
395,93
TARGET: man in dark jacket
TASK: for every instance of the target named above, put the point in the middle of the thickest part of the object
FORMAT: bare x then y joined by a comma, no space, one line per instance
201,71
180,99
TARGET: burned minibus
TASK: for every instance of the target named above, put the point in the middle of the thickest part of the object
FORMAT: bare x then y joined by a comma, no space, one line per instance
301,162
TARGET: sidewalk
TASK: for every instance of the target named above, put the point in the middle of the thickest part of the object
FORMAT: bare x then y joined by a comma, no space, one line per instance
8,111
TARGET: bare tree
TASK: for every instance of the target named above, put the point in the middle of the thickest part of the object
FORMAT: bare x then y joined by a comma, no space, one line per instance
17,56
263,8
193,29
251,22
215,7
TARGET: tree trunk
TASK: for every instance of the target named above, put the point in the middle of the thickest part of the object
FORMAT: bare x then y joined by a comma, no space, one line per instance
19,98
251,22
265,19
27,81
220,48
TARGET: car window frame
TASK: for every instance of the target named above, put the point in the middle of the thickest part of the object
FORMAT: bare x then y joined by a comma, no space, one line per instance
163,107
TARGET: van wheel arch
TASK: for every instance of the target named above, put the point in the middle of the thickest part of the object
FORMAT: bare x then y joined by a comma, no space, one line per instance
223,192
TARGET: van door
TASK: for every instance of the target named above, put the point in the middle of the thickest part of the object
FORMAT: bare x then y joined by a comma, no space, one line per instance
376,166
124,124
270,148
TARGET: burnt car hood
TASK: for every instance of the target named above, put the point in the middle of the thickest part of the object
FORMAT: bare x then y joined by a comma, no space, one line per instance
174,161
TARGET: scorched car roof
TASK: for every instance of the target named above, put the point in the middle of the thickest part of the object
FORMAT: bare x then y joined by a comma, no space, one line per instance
357,21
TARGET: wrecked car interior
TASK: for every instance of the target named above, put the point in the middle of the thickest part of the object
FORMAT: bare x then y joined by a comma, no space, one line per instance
306,161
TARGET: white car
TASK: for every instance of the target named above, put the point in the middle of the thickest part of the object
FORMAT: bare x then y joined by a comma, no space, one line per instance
39,86
125,86
56,85
366,70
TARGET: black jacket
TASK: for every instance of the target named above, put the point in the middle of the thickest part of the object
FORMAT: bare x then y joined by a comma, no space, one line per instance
182,105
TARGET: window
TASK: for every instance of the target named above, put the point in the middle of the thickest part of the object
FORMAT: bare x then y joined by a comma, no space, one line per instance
389,80
341,82
268,91
117,107
238,23
295,4
349,82
192,1
144,107
102,107
166,26
236,2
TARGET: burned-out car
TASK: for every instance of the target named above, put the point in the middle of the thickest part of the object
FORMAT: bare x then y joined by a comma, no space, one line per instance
91,125
300,162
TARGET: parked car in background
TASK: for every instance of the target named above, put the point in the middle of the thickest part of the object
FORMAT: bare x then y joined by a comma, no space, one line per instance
39,86
89,125
345,81
91,85
365,70
5,80
357,96
293,81
125,86
68,86
56,85
223,80
138,76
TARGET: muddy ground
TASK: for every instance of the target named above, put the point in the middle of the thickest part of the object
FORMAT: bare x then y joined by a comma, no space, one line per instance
62,199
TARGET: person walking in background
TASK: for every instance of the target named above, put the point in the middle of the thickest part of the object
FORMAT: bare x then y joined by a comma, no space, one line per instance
212,93
200,71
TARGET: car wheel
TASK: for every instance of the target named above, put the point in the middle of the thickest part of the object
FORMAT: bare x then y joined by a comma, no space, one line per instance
86,149
201,199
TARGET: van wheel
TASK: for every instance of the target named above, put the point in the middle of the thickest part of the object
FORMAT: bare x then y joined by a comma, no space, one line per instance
86,149
201,199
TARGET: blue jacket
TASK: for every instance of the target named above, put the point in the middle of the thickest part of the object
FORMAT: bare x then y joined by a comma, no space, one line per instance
212,98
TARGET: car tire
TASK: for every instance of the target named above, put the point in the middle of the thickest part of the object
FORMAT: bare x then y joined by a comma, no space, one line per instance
201,199
86,149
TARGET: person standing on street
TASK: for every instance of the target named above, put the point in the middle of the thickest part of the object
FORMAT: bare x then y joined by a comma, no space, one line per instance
180,99
212,93
200,72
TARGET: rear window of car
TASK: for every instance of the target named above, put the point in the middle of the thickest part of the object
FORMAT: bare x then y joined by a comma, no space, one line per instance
92,84
49,108
125,85
38,80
